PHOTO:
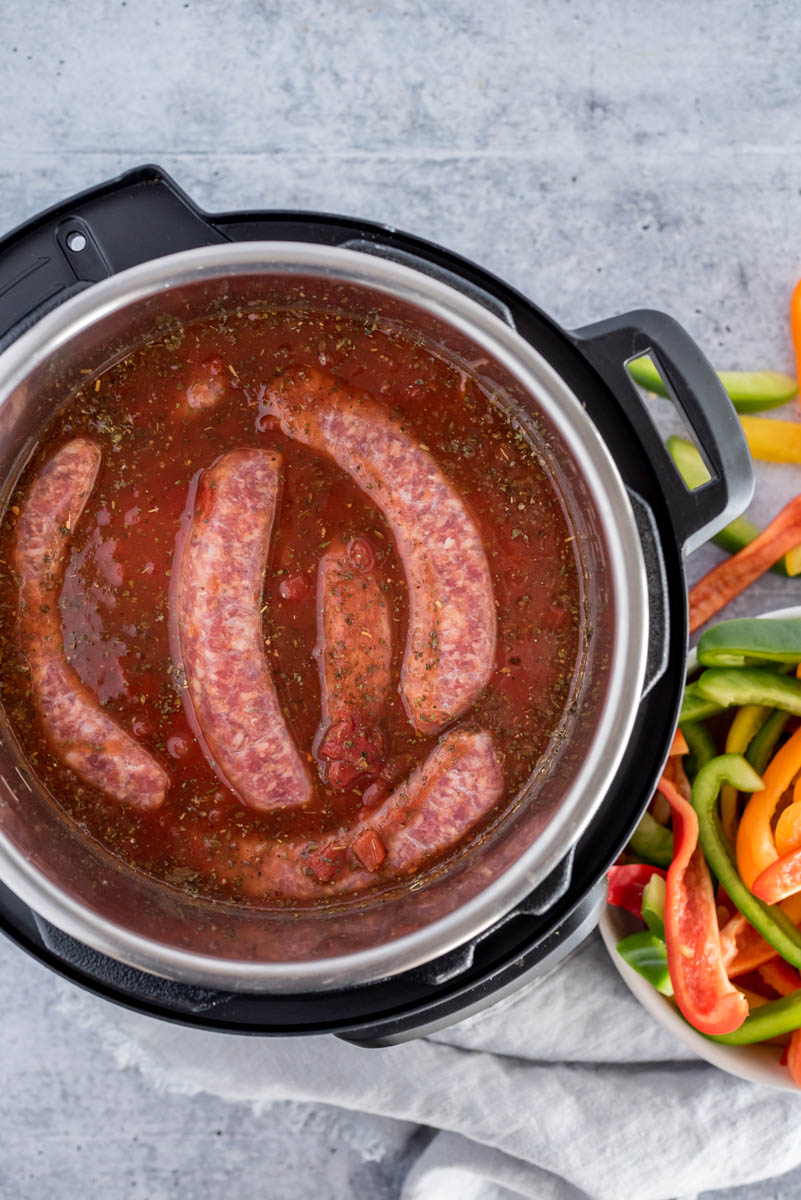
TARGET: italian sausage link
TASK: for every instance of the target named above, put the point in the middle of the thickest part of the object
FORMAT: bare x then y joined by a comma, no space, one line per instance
353,651
457,785
229,685
440,803
87,740
450,647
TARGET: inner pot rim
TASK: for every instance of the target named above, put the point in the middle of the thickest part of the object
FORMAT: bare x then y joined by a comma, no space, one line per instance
630,623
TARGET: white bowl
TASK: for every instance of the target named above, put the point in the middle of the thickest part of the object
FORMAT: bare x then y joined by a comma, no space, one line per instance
759,1063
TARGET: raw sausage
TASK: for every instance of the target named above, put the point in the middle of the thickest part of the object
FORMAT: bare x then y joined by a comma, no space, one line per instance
442,800
353,651
233,701
84,737
450,646
440,803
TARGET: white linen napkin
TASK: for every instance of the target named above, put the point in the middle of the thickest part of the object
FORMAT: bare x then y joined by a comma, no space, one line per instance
566,1089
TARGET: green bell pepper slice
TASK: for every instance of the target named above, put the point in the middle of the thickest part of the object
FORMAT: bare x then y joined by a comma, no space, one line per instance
652,842
697,707
749,391
646,953
751,641
768,1021
701,746
750,685
776,928
760,752
653,905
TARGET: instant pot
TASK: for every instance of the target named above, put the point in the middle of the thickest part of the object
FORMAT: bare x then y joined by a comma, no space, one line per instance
89,279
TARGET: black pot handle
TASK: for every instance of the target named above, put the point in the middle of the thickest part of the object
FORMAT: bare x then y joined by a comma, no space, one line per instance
143,214
699,395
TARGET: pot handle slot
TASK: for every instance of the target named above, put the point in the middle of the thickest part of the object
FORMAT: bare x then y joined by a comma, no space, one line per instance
698,395
143,214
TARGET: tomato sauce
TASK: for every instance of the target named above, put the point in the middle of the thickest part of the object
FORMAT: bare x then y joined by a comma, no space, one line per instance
163,415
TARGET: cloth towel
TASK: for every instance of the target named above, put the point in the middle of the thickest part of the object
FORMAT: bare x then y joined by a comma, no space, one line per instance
566,1089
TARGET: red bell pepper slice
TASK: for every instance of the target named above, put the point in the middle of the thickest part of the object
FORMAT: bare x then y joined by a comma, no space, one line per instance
701,986
627,883
779,880
731,577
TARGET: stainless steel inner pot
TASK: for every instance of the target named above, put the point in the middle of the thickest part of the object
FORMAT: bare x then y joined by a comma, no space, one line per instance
83,890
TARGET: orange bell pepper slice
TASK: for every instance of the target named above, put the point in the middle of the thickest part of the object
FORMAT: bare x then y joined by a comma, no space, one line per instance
795,325
679,745
744,949
788,826
731,577
756,844
779,975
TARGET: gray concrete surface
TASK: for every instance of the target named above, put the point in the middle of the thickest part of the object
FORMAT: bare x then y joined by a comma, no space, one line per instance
599,156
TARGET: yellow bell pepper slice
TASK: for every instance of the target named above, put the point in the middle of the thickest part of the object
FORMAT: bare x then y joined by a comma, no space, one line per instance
748,720
771,440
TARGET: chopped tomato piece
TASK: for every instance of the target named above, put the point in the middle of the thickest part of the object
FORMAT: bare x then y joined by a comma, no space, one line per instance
369,849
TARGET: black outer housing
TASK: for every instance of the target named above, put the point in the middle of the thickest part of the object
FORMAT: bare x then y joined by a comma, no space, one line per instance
144,215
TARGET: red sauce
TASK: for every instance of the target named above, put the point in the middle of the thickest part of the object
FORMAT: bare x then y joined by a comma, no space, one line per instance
167,412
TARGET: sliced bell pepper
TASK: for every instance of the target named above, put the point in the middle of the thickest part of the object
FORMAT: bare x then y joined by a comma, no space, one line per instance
768,1021
760,752
701,744
751,642
659,809
779,975
788,827
747,721
756,843
679,747
749,391
795,324
626,884
729,686
652,841
647,955
728,579
744,948
774,924
773,441
689,463
726,909
653,906
702,989
674,771
740,532
695,707
780,880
